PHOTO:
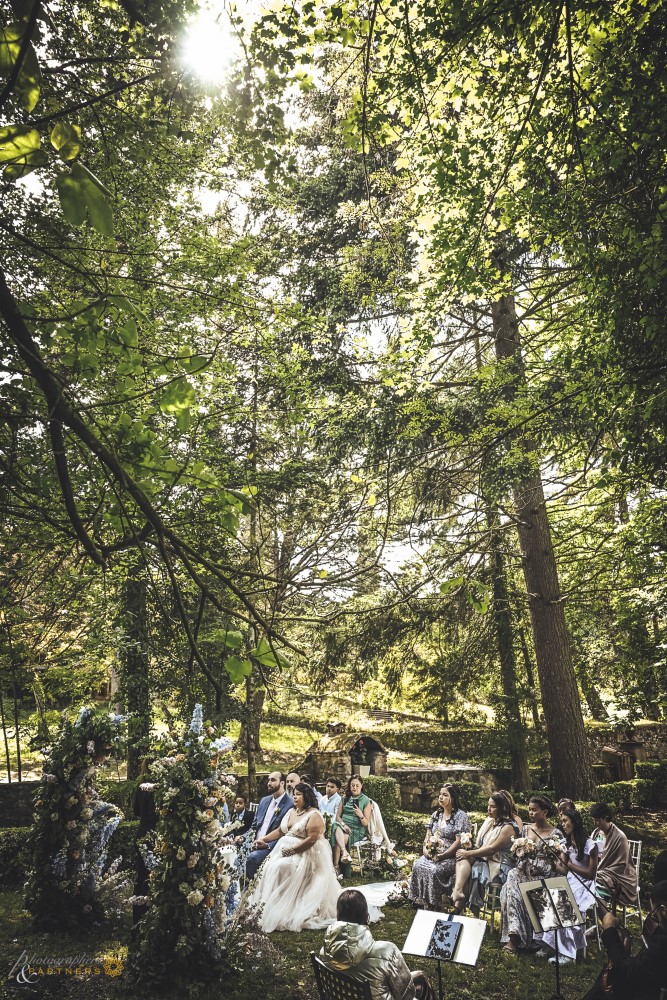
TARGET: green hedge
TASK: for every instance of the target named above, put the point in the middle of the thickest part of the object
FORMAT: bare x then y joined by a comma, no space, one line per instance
473,797
15,859
385,791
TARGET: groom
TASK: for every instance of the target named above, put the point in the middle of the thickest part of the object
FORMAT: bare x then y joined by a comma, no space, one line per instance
270,812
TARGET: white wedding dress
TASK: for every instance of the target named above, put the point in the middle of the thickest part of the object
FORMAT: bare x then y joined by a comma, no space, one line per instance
296,892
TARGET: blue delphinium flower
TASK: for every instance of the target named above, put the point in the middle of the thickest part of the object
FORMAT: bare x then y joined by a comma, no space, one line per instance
197,723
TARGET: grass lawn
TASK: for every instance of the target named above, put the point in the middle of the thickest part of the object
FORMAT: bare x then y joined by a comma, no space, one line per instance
277,965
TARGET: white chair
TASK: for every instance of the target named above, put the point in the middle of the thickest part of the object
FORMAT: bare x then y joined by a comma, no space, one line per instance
634,908
591,914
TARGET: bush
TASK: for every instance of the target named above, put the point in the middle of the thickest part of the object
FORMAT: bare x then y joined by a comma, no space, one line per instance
14,856
119,793
384,791
473,796
619,794
407,829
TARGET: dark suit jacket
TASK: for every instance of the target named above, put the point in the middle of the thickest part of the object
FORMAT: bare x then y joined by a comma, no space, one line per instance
642,976
286,804
247,821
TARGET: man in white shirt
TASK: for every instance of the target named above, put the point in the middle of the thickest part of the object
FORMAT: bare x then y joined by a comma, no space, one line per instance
270,812
331,798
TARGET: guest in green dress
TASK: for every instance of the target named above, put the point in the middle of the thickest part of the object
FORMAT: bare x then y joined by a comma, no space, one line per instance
352,818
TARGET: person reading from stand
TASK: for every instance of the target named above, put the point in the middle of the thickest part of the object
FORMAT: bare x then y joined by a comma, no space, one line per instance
349,947
432,874
269,815
488,860
616,879
332,796
580,858
297,888
634,977
352,819
535,858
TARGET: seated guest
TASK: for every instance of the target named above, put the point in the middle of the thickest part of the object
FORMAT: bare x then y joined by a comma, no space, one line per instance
534,859
297,888
433,873
291,781
659,875
616,879
489,860
352,818
349,947
307,780
579,864
243,815
514,812
644,975
270,812
332,796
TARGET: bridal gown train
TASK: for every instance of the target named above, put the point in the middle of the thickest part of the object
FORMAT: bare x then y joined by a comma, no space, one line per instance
296,892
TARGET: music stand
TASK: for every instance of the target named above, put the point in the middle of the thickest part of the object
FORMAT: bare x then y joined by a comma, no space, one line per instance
551,906
467,946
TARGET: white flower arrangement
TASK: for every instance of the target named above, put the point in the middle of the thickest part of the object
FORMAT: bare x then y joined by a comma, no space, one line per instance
195,897
465,839
523,847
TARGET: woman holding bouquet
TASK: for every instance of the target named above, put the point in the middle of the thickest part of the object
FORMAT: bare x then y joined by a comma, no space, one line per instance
488,860
446,830
535,857
579,858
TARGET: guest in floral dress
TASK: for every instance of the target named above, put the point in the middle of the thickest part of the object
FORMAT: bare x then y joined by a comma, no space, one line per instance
534,859
580,860
433,873
488,861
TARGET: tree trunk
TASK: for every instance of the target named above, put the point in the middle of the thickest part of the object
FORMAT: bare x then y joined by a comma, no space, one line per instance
4,735
251,725
568,746
530,678
134,661
504,634
595,703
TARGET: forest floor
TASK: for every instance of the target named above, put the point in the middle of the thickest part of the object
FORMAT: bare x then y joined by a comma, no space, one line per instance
279,965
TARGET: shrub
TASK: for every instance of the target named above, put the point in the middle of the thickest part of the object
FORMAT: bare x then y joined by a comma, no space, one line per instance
618,794
384,791
14,857
407,829
473,796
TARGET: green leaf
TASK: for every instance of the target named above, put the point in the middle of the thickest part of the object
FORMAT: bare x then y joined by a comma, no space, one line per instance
179,395
448,585
264,655
238,669
128,333
194,363
83,174
16,142
27,85
66,139
25,164
72,200
99,209
233,639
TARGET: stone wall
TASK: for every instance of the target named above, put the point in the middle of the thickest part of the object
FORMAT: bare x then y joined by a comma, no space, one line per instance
420,786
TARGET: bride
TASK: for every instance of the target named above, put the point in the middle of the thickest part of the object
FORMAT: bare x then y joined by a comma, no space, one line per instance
297,887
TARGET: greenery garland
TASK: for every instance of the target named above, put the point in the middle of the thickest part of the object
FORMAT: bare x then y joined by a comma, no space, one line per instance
192,888
72,827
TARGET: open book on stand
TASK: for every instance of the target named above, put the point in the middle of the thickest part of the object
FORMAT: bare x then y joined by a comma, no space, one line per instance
443,940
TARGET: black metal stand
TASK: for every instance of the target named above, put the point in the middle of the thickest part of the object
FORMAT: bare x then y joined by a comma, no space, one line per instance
557,995
440,996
